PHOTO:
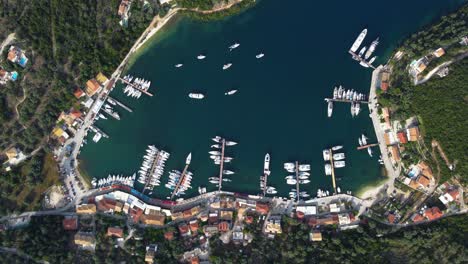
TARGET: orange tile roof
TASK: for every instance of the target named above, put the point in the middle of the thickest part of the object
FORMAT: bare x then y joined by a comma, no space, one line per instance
417,218
12,55
169,235
413,133
395,153
78,93
92,86
249,219
75,114
454,194
115,231
194,260
402,137
424,181
262,208
433,213
194,226
387,139
183,228
223,226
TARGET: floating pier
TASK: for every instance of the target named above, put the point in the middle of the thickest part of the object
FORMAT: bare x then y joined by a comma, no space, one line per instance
136,87
367,146
182,178
221,164
96,129
151,171
332,171
297,181
356,57
346,101
110,99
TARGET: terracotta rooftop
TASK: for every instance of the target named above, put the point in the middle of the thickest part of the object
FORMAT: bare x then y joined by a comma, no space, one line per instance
433,213
402,137
115,231
417,218
78,93
262,208
391,218
70,223
183,229
223,226
194,226
169,235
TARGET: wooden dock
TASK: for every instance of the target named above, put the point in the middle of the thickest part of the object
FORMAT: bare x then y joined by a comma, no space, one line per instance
346,101
359,59
136,87
120,104
367,146
181,180
332,171
221,164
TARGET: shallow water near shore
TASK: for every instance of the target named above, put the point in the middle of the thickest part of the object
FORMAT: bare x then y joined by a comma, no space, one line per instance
279,108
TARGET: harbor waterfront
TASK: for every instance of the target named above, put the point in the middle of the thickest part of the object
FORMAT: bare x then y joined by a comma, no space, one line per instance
279,108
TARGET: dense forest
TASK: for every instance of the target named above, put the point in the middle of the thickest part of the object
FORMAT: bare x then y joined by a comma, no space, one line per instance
439,103
444,241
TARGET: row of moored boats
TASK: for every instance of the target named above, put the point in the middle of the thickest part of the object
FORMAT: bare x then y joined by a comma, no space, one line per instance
363,141
363,56
217,154
301,176
135,86
180,180
152,167
337,158
114,179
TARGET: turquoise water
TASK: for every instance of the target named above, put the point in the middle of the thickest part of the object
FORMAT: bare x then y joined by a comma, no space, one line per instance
279,108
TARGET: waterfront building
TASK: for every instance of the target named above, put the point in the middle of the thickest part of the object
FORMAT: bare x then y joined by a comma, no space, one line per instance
307,210
439,52
86,209
262,208
413,133
101,78
395,153
384,81
327,220
433,213
92,87
334,208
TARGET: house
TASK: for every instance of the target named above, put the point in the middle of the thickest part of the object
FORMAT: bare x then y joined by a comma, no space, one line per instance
85,240
449,196
395,153
391,218
334,208
402,137
315,236
78,93
16,55
92,87
423,181
135,213
210,230
101,78
223,226
109,205
70,223
153,219
150,252
226,215
273,226
307,210
169,235
344,219
213,218
12,154
413,133
417,218
194,226
262,208
86,209
328,220
418,66
433,213
184,230
439,52
384,81
115,231
249,219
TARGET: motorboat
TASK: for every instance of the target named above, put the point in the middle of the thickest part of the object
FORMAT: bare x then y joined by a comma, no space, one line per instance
271,190
304,167
303,177
304,181
360,141
259,56
214,152
330,108
227,66
215,146
361,52
228,172
289,166
217,139
289,177
266,165
304,173
338,156
371,49
233,46
291,181
214,182
369,150
338,189
231,143
372,60
179,65
335,93
335,148
328,169
326,154
196,96
201,57
231,92
358,40
364,139
339,163
357,108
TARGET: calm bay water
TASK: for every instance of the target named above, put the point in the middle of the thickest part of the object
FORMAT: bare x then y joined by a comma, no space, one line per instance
279,108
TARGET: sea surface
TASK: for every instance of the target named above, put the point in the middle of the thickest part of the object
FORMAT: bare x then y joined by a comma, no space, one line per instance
280,106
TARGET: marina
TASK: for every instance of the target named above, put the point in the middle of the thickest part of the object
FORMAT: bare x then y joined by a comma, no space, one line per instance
135,86
183,179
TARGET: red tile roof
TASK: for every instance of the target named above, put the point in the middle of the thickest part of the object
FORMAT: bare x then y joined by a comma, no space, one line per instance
135,213
194,226
223,226
262,208
169,235
454,194
391,218
115,231
433,213
183,229
402,137
70,223
417,218
78,93
249,219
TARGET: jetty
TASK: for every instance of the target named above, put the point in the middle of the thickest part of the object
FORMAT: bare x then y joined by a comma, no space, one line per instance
151,171
333,171
135,87
181,180
264,179
367,146
346,101
113,100
297,181
361,60
221,164
112,114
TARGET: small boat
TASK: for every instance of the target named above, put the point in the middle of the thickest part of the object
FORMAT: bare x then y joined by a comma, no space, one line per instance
259,56
227,66
372,60
357,108
233,46
338,156
303,177
289,177
214,152
289,166
196,96
304,181
335,148
231,92
228,172
362,51
335,92
339,163
217,139
326,154
369,150
201,57
179,65
304,167
338,189
364,139
330,108
360,141
215,146
328,169
271,190
291,181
